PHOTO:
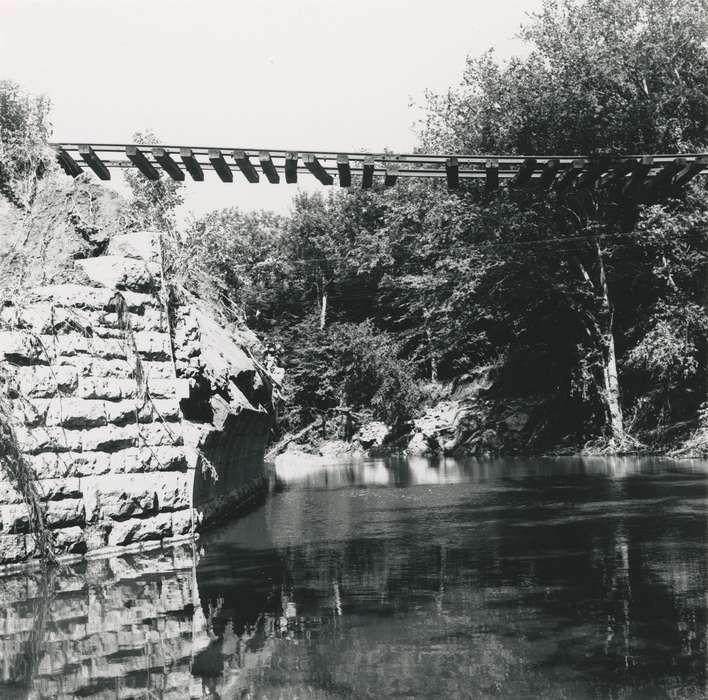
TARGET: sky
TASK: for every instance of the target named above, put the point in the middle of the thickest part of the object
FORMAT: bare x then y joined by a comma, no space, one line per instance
286,74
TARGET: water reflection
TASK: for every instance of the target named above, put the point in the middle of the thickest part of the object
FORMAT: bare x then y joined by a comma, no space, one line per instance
552,578
406,471
120,627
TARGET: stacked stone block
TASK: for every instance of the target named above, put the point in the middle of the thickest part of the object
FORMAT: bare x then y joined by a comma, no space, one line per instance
95,399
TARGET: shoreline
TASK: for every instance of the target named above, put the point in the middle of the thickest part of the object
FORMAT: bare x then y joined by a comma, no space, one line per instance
355,452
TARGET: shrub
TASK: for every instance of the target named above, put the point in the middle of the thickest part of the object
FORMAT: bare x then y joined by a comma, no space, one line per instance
350,364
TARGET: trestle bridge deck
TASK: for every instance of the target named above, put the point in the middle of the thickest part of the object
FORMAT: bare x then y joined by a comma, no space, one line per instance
635,176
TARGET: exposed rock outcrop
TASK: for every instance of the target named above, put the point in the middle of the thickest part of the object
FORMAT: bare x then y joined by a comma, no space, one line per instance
70,220
463,420
227,414
695,446
373,435
472,427
434,431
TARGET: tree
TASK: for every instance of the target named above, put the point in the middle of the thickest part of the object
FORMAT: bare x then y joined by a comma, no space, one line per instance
601,77
667,339
336,245
348,364
154,202
24,154
233,259
428,294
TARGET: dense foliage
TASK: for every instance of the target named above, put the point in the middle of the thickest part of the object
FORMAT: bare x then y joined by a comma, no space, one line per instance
602,75
348,365
594,302
229,258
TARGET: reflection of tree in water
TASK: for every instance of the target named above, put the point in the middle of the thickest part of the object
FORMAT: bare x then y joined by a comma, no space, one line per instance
246,598
683,579
618,596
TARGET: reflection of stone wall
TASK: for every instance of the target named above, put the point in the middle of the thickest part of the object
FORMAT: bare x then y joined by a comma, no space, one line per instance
122,627
124,623
96,400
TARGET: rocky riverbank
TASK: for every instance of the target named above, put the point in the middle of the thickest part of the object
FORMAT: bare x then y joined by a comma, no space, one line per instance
472,419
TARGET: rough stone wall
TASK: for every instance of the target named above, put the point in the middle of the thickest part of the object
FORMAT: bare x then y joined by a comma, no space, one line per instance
96,398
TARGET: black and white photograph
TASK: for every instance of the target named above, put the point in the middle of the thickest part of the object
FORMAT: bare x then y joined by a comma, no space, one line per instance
353,349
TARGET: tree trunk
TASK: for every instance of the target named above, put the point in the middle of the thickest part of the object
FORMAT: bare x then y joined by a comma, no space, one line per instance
431,355
286,440
323,308
609,369
612,392
431,349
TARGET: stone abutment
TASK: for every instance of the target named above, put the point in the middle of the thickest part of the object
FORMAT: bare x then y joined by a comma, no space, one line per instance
141,420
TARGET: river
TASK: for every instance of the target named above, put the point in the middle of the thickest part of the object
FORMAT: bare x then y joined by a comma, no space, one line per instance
525,578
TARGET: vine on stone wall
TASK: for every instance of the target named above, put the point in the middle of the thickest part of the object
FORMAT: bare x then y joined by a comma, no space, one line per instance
21,475
143,397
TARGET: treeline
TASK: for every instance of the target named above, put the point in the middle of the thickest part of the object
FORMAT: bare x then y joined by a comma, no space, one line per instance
592,301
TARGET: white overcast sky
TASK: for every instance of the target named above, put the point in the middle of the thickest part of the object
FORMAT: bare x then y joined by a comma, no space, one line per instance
295,74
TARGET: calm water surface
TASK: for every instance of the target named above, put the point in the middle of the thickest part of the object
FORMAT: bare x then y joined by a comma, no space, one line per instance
536,578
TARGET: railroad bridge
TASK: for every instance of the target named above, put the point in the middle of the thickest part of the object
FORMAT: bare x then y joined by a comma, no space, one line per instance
147,424
635,177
